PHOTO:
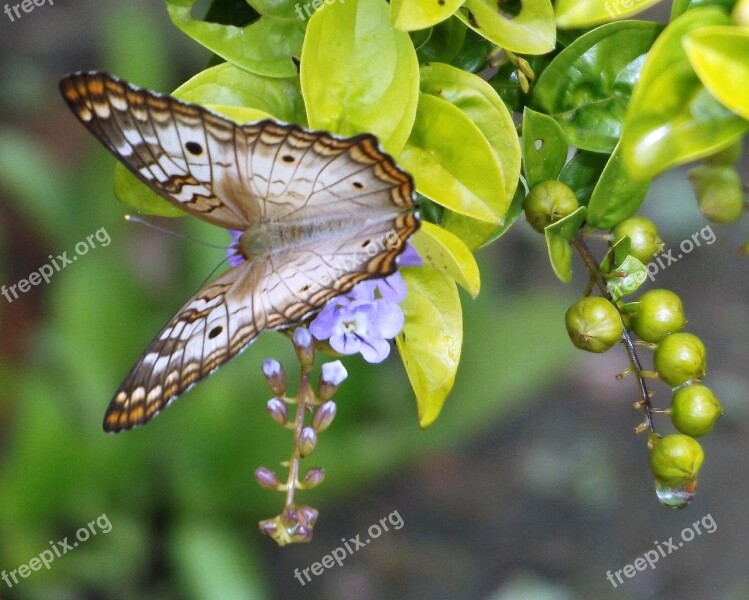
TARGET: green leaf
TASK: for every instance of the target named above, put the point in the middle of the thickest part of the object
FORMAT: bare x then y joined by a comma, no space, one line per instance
359,74
480,103
679,7
132,192
448,254
452,163
558,236
544,147
264,47
633,275
531,31
719,56
431,340
671,118
584,13
616,196
477,233
409,15
587,86
441,43
582,172
228,85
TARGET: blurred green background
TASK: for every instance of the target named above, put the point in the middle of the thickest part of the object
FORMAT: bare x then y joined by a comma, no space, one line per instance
530,485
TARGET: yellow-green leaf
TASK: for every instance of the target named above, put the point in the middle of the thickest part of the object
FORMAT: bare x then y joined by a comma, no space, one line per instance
719,56
431,339
584,13
447,253
359,74
531,31
558,236
452,163
410,15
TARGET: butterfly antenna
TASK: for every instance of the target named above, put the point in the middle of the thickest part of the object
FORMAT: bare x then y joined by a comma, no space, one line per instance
177,234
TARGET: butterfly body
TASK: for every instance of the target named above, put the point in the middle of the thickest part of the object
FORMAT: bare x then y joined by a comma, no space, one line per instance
317,214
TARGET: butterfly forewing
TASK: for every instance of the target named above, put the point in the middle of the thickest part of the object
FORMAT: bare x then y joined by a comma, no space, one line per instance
339,210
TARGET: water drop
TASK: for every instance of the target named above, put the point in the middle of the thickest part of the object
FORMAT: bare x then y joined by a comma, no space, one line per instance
675,496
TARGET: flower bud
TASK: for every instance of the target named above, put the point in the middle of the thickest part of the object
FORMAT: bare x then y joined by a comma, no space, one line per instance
331,376
694,410
313,478
304,345
307,441
548,202
274,375
324,416
660,313
278,411
643,235
267,478
719,192
594,324
680,357
676,459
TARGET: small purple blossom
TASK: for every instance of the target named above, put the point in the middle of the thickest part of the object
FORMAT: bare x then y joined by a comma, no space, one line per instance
233,255
333,373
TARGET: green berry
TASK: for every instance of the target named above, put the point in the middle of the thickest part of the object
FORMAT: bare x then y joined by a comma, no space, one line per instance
676,459
645,241
694,410
548,202
660,312
719,192
594,324
680,357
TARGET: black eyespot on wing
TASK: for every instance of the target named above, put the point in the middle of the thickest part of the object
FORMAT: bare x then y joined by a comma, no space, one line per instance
365,243
287,158
194,148
215,331
358,185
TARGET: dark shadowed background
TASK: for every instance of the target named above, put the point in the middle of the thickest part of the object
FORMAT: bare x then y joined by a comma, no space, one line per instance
530,485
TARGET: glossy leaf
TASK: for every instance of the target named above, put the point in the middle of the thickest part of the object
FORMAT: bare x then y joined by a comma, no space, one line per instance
431,340
452,163
679,7
359,74
616,196
719,56
544,147
477,233
264,47
672,118
447,253
582,172
480,103
558,236
441,43
131,191
585,13
587,86
531,31
631,275
409,15
228,85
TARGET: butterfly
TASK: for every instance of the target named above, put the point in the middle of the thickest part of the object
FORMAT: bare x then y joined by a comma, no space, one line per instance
318,214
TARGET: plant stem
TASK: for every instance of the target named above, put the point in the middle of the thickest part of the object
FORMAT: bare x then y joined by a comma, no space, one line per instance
595,271
301,409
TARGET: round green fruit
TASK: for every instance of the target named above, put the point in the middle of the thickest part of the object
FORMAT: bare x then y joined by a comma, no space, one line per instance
643,234
676,459
594,324
680,357
548,202
660,313
694,410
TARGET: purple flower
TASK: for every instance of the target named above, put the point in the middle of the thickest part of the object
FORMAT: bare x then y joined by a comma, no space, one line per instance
233,255
353,325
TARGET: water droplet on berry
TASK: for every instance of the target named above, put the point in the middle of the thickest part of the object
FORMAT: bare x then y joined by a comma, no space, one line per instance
675,496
